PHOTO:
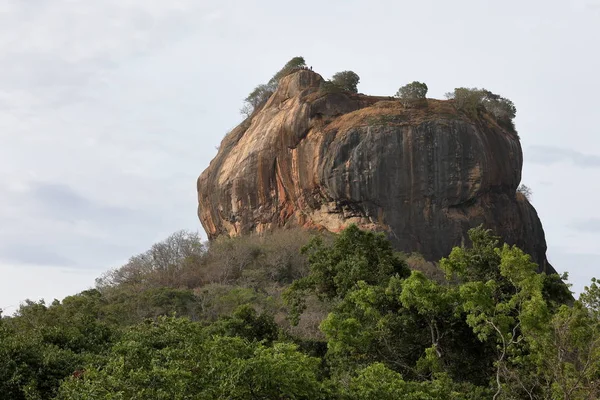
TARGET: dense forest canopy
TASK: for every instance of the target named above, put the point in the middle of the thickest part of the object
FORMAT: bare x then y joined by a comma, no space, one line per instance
289,316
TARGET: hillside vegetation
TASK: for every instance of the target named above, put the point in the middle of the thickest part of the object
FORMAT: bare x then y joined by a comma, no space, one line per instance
290,316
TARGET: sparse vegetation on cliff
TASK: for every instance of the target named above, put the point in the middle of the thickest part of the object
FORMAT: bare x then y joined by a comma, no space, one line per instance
493,328
262,92
524,191
292,65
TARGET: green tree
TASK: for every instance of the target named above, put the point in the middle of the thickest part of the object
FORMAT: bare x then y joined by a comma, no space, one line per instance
256,98
504,315
591,297
468,100
335,269
370,325
411,93
153,360
346,80
510,305
173,358
245,322
500,107
435,303
41,345
564,357
278,372
379,382
525,191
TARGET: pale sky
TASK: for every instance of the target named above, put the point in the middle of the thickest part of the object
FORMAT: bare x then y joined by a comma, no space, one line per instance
110,109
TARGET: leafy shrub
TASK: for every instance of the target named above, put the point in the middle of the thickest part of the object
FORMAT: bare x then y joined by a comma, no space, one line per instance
288,68
246,323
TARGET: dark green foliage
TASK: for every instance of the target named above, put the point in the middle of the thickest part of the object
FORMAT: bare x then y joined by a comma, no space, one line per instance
336,269
174,359
479,262
330,87
412,93
346,80
556,292
379,382
245,322
355,255
42,345
494,329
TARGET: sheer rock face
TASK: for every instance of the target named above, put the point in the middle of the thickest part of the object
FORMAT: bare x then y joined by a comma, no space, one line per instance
424,175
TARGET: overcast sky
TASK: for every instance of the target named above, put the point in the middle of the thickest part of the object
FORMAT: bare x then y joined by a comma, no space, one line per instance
110,109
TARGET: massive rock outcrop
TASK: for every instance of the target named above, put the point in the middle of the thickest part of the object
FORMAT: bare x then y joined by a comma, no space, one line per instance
324,160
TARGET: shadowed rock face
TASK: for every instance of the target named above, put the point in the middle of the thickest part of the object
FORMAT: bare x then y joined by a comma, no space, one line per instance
325,160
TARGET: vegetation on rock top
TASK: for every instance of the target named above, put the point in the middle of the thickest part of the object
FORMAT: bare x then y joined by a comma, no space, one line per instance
470,101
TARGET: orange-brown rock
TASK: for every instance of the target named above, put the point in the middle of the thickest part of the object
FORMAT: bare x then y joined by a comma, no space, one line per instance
325,160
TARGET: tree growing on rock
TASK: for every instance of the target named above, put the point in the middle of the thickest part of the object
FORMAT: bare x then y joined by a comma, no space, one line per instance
262,92
473,100
290,66
258,96
412,93
346,80
467,100
501,108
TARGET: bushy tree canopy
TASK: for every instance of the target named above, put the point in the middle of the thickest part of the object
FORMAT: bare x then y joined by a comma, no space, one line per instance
412,92
525,191
473,100
346,80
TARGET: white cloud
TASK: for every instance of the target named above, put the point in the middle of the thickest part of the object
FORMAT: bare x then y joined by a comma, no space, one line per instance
94,167
41,282
110,109
548,155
